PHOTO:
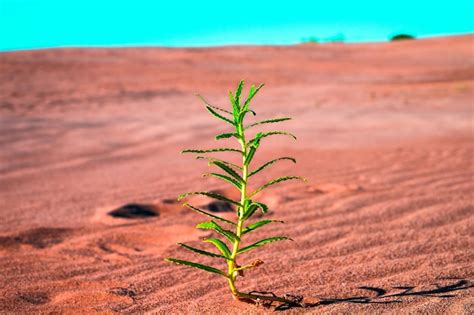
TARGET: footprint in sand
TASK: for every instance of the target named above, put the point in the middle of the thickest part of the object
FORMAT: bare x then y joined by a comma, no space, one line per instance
39,238
135,211
120,215
36,298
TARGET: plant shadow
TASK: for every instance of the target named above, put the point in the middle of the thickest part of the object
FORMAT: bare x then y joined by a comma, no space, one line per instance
395,294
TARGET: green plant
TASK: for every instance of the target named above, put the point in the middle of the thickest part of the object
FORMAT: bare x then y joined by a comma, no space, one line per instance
401,37
238,176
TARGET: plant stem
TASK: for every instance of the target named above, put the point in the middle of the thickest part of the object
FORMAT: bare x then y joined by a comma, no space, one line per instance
243,197
242,295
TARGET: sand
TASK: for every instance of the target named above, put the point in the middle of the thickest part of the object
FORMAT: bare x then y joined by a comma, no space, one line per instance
385,137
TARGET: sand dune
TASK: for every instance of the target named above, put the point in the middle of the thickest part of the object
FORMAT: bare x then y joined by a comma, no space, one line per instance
385,137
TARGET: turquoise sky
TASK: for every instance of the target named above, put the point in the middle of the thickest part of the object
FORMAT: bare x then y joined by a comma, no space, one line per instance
28,24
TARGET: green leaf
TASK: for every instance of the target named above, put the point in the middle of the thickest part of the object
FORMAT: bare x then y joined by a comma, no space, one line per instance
208,214
211,150
272,133
252,92
253,207
262,135
253,145
228,170
258,224
250,211
270,163
239,91
242,115
217,115
212,106
211,159
276,181
200,251
226,178
227,135
235,106
196,265
211,225
262,206
250,155
220,245
209,194
268,121
263,242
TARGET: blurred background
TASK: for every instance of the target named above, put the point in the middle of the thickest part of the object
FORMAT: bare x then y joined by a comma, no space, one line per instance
28,24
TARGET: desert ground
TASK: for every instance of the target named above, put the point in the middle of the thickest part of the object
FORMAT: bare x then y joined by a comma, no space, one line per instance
385,223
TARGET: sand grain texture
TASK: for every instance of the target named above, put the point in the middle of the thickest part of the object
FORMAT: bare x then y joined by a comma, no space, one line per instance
385,137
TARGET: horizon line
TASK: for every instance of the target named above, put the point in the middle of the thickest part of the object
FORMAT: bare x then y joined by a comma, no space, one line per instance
204,46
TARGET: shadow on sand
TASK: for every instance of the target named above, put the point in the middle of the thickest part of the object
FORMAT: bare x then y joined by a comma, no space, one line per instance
378,296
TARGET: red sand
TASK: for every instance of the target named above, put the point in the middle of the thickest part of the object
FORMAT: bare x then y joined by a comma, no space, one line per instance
385,139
